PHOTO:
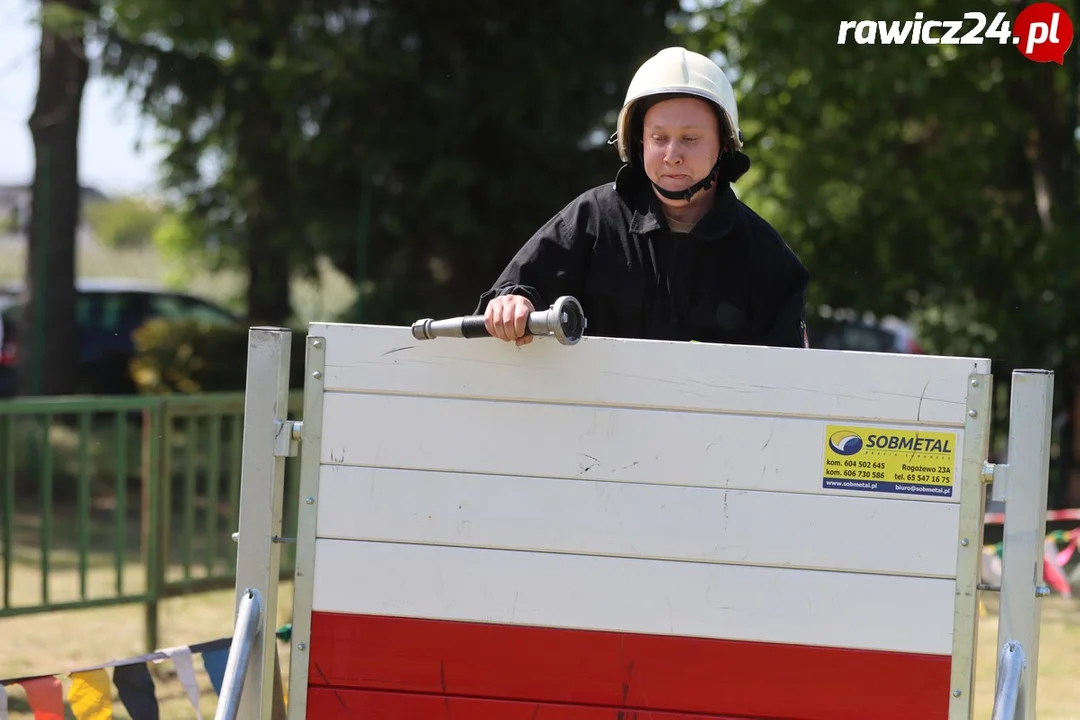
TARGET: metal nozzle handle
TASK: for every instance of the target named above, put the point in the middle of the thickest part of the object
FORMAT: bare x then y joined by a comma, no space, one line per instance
565,320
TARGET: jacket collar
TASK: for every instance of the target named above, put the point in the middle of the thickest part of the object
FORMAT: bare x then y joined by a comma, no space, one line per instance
636,191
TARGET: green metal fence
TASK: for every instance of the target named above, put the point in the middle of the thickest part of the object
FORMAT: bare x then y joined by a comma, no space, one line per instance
109,500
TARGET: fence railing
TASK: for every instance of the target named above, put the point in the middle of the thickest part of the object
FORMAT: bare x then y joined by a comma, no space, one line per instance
110,500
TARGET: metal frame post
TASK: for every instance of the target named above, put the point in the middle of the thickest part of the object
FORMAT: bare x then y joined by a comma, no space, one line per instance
262,482
306,522
976,444
1023,488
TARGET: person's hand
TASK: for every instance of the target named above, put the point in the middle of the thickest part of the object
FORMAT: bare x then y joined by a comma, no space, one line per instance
505,316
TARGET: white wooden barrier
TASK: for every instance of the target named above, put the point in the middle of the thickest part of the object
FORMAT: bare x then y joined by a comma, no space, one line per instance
616,527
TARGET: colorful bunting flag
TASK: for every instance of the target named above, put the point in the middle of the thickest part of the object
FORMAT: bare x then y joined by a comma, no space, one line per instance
136,690
214,662
46,697
89,695
185,673
90,698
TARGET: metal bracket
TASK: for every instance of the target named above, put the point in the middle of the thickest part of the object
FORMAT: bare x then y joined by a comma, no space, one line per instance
997,474
273,538
1041,591
287,436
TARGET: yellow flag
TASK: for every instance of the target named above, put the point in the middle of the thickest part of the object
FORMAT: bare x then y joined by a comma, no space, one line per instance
90,696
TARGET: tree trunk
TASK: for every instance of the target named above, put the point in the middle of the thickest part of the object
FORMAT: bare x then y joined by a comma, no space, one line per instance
49,344
267,206
268,281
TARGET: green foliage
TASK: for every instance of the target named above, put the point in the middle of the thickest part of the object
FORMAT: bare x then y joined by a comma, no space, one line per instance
123,223
470,126
180,242
184,356
64,19
937,182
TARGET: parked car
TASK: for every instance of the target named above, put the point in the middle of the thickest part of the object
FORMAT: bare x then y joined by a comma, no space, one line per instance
107,314
848,331
9,294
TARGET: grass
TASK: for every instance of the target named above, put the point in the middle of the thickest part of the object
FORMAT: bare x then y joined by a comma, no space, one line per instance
1058,694
60,641
57,642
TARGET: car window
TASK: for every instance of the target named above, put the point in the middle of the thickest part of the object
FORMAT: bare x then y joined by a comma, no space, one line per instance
206,312
166,306
176,307
845,335
861,337
110,312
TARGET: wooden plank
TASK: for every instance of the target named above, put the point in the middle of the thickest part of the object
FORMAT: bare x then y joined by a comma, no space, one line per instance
802,607
341,704
872,387
618,444
655,673
634,520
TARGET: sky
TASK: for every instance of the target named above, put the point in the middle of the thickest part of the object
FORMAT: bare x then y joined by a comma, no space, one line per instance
111,125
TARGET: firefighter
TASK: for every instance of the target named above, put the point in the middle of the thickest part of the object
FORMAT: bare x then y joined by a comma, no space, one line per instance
667,251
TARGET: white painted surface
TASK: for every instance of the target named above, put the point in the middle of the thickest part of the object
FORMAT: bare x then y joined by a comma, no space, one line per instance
630,485
780,454
767,381
876,612
644,521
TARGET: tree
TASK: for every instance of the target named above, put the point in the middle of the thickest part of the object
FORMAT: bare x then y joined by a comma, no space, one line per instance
50,351
462,132
934,181
937,180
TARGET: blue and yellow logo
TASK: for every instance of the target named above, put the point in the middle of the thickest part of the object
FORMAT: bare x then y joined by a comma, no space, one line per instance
845,442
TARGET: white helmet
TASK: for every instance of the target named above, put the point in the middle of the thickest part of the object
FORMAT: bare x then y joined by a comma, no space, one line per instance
681,71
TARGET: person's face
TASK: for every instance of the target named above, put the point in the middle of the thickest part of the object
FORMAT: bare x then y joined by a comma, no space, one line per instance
681,143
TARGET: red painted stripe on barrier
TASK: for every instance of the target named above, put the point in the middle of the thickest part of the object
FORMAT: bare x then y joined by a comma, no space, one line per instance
625,670
343,704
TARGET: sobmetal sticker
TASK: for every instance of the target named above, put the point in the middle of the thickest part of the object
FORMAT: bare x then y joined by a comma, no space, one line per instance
889,460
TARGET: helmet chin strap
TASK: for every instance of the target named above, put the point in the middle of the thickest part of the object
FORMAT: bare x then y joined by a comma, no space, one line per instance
704,184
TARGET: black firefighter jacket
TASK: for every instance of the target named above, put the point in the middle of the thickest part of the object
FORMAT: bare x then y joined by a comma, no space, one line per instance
732,279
